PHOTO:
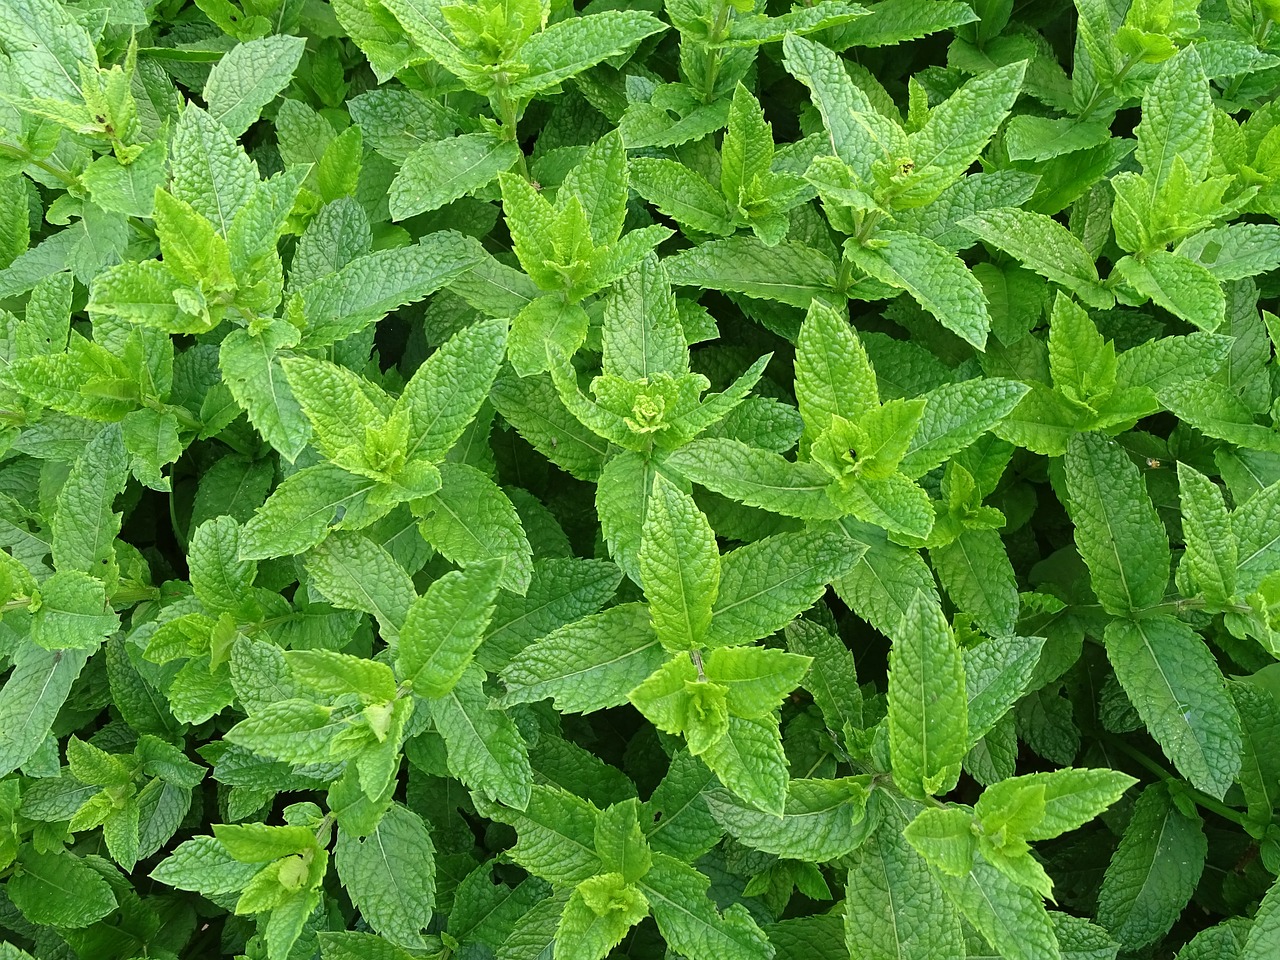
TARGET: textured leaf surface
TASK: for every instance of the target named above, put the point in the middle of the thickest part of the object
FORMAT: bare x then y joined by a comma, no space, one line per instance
1174,683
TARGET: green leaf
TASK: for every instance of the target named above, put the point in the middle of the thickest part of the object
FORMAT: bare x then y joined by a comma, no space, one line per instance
789,272
248,77
74,613
832,678
1260,757
369,287
251,370
556,834
59,889
764,585
1066,799
357,574
978,576
486,751
679,566
682,826
446,391
928,725
945,837
1210,556
444,627
746,153
894,908
441,171
599,182
598,915
682,194
1117,531
1177,120
996,674
567,48
470,520
756,477
1153,872
1045,246
210,170
534,408
958,128
955,415
84,524
641,334
749,760
32,696
936,279
588,664
853,133
219,578
822,820
1173,681
689,921
833,373
390,875
300,512
1217,411
295,731
1181,286
1012,918
1264,935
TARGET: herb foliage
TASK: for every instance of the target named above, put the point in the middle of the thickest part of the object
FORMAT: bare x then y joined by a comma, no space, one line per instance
523,480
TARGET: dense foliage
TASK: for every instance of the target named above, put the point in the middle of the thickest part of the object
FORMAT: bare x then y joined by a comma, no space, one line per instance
707,478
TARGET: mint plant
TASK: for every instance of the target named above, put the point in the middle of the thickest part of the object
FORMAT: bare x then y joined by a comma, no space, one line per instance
717,479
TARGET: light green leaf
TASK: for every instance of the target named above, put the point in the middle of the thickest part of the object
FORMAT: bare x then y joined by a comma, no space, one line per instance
369,287
210,170
1011,917
441,171
764,585
894,908
1181,286
749,760
357,574
390,875
1174,683
641,333
444,627
978,576
248,77
1210,555
84,525
300,511
689,921
570,46
679,566
251,370
1177,120
955,415
936,279
822,819
470,520
588,664
756,477
1045,246
996,674
34,692
928,713
789,272
486,751
1117,531
833,373
682,194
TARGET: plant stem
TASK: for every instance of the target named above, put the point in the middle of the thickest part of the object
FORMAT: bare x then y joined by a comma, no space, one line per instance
713,53
1203,800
